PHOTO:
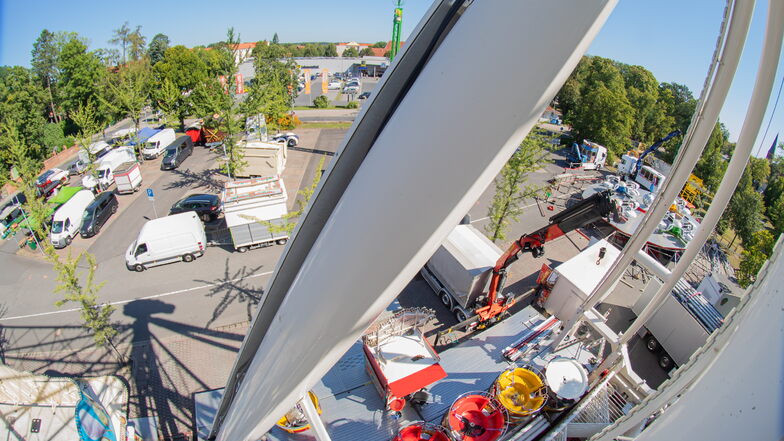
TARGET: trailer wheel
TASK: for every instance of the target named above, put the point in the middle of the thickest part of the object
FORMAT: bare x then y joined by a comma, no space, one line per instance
188,258
242,249
446,299
138,267
460,316
281,241
665,362
652,344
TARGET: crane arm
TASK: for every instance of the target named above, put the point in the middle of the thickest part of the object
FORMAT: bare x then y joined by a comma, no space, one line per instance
585,212
652,148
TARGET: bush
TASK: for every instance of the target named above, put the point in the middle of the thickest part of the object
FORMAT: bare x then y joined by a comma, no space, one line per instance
288,122
352,105
322,102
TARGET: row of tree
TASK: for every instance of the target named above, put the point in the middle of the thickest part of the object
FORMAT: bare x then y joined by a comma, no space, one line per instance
616,104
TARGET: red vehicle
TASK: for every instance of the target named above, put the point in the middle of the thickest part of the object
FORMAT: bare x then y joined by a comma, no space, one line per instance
50,180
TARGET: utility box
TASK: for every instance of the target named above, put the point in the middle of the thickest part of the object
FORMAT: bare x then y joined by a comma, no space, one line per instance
574,280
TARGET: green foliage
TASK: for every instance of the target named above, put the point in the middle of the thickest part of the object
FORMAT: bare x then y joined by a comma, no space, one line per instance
158,46
136,43
81,74
23,105
54,136
757,251
275,39
330,50
180,71
218,62
121,38
273,89
509,190
711,165
745,208
380,44
350,53
352,105
366,52
44,64
127,92
321,102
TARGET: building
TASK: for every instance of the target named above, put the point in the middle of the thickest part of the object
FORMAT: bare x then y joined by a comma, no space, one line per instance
341,47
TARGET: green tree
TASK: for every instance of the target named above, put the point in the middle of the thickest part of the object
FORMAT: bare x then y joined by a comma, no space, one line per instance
122,39
166,98
81,75
273,89
136,44
712,165
158,46
109,57
54,136
366,52
350,53
757,251
380,44
509,189
184,69
330,51
275,39
745,208
23,104
44,63
605,116
127,93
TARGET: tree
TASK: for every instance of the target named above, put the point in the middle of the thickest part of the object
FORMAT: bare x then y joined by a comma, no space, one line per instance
275,39
350,53
330,50
128,92
273,89
85,119
366,52
136,44
121,38
75,286
757,251
109,57
712,165
23,104
158,46
509,189
183,69
745,208
44,63
380,44
81,75
166,98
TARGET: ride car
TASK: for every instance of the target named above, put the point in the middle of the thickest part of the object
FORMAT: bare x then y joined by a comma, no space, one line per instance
289,138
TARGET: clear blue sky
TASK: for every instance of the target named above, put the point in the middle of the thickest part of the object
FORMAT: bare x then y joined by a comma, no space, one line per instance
673,39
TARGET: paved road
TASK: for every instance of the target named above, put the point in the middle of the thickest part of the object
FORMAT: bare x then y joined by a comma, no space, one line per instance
218,289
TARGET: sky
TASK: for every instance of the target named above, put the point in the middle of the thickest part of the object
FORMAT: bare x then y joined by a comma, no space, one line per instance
671,38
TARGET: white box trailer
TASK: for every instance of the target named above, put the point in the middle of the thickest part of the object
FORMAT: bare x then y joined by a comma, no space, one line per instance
128,177
249,205
265,159
461,268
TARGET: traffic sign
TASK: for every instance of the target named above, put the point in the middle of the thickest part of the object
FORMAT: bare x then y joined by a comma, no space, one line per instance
150,194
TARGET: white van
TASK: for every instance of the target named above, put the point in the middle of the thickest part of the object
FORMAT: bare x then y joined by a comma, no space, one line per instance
68,218
157,143
165,240
106,166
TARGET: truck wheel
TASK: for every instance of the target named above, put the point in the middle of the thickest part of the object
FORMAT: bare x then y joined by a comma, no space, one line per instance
242,249
652,344
138,267
68,240
665,362
281,241
446,299
188,258
460,316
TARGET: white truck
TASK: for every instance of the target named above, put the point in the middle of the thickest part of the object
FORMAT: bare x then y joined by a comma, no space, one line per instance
460,269
250,207
105,168
166,240
67,219
155,145
128,177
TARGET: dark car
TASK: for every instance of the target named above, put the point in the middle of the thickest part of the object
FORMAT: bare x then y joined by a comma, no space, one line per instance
97,213
207,206
364,95
176,152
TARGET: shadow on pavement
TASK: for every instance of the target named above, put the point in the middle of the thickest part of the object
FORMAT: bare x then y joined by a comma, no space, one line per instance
206,180
233,288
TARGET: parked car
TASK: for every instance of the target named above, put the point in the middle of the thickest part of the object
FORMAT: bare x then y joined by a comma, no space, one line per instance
53,175
156,144
165,240
334,85
97,213
68,218
289,138
77,167
207,206
176,152
351,89
364,95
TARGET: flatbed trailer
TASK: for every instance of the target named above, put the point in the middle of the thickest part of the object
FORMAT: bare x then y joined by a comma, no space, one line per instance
253,208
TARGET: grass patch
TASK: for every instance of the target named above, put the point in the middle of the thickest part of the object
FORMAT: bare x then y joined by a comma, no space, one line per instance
331,107
325,125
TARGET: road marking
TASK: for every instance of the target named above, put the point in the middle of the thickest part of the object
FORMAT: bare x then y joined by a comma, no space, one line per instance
154,296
